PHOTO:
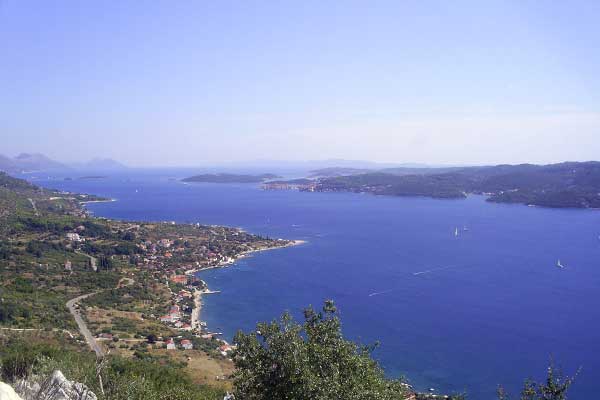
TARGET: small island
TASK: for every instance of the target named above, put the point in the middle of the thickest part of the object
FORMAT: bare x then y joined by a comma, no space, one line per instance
230,178
92,177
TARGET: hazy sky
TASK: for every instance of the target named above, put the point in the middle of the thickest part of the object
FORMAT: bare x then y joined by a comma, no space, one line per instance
184,83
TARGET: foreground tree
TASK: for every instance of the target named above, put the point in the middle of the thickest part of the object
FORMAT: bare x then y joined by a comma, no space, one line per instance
554,388
312,361
285,360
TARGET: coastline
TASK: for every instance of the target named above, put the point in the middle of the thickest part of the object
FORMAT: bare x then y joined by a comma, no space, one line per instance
196,321
195,317
97,201
224,264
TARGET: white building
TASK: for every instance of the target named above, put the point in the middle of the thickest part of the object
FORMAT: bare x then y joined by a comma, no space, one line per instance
74,237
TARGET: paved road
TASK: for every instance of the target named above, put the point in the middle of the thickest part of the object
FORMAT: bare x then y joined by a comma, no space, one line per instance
89,338
35,210
93,260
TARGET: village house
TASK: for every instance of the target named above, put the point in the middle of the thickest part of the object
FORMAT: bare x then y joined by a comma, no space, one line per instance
166,318
74,237
224,349
171,344
166,243
187,344
179,279
107,336
68,266
186,327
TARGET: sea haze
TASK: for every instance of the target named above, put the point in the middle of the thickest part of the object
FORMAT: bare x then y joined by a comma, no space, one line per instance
454,313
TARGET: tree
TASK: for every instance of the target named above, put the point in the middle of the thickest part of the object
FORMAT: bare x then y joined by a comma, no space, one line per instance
555,387
105,263
286,360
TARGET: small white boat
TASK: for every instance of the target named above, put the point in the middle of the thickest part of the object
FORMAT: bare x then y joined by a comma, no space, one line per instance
456,232
559,265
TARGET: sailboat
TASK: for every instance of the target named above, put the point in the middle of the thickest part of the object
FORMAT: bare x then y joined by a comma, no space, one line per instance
456,231
559,265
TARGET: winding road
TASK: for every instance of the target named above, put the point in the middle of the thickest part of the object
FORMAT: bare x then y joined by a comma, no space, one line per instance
83,329
89,338
93,260
35,210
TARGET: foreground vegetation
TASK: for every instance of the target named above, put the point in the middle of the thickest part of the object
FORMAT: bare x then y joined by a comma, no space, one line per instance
312,361
114,378
280,360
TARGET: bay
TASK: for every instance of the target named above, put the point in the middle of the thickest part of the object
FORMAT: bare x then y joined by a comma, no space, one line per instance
453,313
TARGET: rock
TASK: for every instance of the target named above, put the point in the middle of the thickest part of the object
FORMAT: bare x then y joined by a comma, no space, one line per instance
55,387
8,393
60,388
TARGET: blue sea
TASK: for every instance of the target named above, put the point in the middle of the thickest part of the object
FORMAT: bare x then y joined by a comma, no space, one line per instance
452,313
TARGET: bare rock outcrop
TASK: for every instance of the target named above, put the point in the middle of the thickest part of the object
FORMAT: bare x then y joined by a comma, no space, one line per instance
54,387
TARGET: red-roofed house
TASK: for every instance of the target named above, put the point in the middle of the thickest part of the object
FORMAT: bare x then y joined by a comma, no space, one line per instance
171,344
166,318
179,279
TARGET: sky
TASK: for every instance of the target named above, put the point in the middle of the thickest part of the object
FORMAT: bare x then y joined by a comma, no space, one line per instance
164,83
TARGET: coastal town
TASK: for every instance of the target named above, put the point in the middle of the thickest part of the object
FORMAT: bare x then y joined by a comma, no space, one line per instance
130,288
171,255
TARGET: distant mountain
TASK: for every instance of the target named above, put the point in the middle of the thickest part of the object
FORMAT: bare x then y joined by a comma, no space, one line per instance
27,162
400,169
337,171
8,164
36,162
308,165
230,178
100,164
416,170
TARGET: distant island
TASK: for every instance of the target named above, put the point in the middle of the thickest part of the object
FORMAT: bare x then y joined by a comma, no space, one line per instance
568,184
87,177
230,178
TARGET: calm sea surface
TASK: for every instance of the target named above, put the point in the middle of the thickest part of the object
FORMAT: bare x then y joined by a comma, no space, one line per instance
453,313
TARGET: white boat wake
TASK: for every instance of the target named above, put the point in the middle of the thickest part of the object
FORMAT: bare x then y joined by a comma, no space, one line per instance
432,270
378,293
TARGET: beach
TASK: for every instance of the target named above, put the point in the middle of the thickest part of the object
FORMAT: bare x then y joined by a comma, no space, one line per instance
196,312
195,317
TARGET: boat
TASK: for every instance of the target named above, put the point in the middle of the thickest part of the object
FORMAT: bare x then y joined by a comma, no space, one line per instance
465,228
559,265
456,232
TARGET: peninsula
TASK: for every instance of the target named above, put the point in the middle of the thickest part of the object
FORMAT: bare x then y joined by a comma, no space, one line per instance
568,184
127,287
